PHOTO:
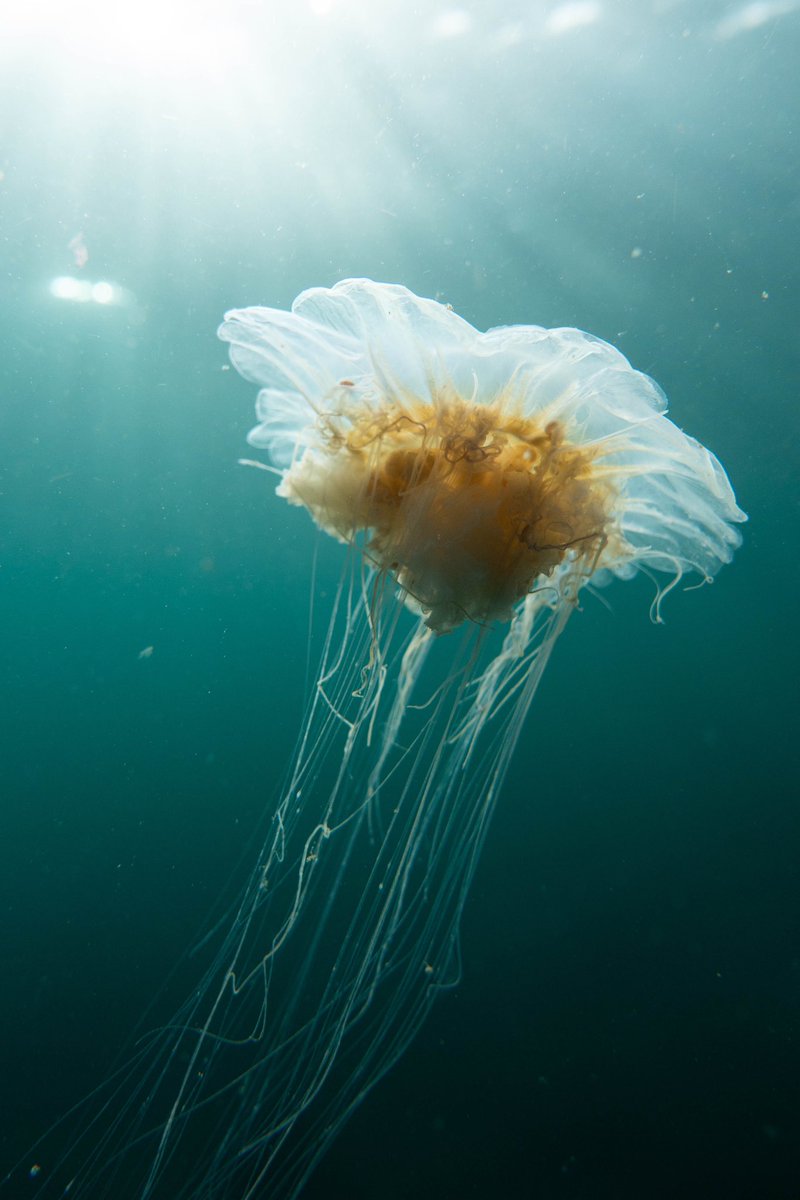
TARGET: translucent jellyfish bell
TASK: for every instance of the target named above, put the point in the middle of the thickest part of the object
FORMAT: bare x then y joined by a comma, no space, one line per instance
472,466
479,481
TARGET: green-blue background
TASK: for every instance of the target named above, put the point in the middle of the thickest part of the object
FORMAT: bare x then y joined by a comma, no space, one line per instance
628,1023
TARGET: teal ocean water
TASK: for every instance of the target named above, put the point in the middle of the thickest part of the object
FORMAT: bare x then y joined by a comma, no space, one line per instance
626,1025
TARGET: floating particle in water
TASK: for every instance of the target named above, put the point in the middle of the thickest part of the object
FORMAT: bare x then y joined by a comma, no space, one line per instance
79,249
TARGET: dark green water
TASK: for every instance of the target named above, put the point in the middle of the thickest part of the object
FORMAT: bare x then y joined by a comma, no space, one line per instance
628,1021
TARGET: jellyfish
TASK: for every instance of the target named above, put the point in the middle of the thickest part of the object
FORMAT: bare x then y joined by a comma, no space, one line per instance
479,484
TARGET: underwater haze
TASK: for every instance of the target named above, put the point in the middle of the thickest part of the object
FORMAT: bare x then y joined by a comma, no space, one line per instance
627,1021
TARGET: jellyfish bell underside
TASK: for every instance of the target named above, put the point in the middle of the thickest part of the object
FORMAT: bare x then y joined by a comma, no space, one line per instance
465,506
478,481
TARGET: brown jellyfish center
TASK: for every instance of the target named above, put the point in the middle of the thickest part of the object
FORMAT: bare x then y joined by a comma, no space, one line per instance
467,505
